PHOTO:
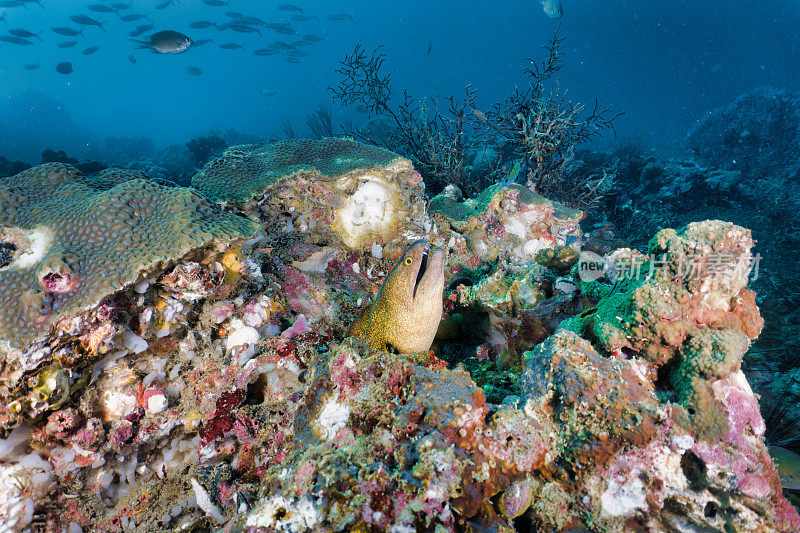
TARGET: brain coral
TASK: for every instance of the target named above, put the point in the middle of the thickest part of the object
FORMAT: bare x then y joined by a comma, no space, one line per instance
73,241
246,171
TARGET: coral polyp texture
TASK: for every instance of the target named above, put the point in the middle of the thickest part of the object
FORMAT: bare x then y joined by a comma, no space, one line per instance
508,220
216,376
74,244
360,193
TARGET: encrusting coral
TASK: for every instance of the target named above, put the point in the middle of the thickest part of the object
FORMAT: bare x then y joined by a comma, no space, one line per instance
219,387
75,244
337,188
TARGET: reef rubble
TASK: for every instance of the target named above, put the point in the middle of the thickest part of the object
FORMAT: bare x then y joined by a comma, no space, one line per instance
188,365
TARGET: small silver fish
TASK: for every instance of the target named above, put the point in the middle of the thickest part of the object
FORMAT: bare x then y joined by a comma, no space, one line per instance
552,8
167,42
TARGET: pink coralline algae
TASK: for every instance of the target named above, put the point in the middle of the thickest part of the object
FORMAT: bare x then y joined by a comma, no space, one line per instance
219,389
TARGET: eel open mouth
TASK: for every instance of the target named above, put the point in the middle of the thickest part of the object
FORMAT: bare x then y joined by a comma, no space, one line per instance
423,266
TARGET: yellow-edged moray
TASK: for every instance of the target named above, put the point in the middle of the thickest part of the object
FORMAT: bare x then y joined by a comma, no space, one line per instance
408,308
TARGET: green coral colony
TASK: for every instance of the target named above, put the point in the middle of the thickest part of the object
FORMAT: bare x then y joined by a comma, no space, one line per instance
298,342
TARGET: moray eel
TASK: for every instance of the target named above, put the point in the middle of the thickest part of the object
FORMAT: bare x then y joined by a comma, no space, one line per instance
408,308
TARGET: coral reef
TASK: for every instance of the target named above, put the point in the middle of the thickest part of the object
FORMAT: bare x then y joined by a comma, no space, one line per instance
743,172
213,382
337,188
9,168
59,156
121,151
74,242
756,134
203,149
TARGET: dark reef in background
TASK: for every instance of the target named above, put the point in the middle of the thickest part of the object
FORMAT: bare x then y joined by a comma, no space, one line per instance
9,168
204,149
758,134
59,156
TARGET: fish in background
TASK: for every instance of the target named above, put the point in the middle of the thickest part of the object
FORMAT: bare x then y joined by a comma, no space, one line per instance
132,59
163,4
67,32
67,44
25,34
290,7
201,24
787,464
552,8
166,42
339,16
193,70
268,92
3,18
14,40
101,8
89,51
85,20
31,66
231,46
64,67
140,29
215,3
132,17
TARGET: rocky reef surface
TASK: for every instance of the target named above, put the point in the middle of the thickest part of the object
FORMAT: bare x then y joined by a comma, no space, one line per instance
182,359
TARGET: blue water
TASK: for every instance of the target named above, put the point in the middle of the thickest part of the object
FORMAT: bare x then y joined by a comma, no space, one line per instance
663,63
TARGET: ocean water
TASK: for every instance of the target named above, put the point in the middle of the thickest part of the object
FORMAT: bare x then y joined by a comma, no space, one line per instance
664,64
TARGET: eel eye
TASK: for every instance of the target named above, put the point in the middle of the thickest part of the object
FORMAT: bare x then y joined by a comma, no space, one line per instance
408,260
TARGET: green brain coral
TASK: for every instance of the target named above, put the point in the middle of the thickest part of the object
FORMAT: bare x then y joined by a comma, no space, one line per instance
73,240
243,172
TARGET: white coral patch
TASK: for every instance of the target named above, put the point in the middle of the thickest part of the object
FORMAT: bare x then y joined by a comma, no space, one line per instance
40,238
243,336
117,404
134,342
204,501
371,210
21,486
332,418
622,498
284,514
